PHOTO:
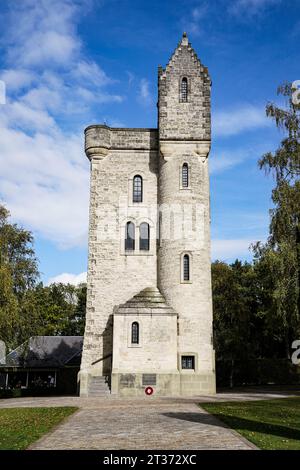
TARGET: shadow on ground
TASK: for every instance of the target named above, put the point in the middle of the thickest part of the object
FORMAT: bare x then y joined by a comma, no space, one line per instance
238,424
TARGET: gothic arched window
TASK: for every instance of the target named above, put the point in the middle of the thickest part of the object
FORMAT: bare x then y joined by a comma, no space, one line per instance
135,333
185,175
186,268
145,236
184,90
130,236
137,189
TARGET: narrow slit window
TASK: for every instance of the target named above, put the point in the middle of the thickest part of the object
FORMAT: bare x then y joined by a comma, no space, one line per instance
184,90
137,189
186,268
130,236
135,333
144,237
185,175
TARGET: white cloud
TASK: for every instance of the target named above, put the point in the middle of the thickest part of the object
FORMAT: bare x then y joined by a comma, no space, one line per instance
43,32
251,7
68,278
16,79
44,172
89,71
130,77
226,250
225,159
192,23
235,121
144,95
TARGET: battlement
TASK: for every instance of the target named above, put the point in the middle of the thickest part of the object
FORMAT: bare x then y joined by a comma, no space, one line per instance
100,139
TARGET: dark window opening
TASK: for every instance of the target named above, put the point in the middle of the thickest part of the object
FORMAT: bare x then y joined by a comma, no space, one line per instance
184,90
130,236
135,333
188,362
186,268
137,189
144,237
185,175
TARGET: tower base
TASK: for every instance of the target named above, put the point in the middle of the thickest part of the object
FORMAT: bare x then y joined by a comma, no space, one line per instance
173,384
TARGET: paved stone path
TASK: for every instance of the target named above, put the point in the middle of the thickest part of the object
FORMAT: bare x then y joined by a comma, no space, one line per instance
143,423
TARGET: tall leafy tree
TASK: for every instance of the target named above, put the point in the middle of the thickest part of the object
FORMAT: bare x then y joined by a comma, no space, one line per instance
18,273
282,252
234,305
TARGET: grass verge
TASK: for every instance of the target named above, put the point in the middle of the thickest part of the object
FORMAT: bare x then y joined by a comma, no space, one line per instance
269,424
20,427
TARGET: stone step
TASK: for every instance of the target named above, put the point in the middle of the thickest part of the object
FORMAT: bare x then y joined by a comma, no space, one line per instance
98,380
99,387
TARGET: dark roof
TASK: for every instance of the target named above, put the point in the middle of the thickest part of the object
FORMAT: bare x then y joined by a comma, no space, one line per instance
148,301
46,351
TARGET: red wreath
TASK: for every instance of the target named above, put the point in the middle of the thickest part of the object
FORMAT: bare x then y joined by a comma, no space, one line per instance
149,390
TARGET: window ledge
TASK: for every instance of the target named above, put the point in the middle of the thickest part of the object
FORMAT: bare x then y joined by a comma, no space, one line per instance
137,253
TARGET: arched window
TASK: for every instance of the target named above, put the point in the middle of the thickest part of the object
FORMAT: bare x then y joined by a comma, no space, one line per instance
185,175
186,268
130,236
144,236
184,90
135,333
137,189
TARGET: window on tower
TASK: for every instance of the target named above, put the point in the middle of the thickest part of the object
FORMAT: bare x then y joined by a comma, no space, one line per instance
137,189
135,333
184,90
186,268
185,175
130,236
188,362
144,236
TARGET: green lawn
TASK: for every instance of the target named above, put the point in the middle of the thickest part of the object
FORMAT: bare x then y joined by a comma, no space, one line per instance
269,424
19,427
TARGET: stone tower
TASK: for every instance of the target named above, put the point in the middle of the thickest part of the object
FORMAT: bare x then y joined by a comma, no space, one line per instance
149,306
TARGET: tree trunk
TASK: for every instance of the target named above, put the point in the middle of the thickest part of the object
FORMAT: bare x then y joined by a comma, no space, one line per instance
231,374
287,344
298,259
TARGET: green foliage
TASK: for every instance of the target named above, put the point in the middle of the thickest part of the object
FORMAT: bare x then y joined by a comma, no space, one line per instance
281,254
234,305
27,308
18,273
60,308
269,424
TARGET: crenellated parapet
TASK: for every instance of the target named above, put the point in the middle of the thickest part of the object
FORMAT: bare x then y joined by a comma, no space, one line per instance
101,139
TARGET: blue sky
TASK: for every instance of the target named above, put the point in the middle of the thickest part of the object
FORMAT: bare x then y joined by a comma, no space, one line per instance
70,63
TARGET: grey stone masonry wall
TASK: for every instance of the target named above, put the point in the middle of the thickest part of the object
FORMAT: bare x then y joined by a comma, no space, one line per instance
178,120
147,286
113,275
184,138
101,138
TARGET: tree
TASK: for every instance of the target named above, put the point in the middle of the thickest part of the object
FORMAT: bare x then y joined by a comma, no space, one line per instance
234,305
282,251
59,309
18,273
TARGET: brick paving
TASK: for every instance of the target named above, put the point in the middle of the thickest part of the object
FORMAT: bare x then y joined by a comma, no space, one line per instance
143,423
152,425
